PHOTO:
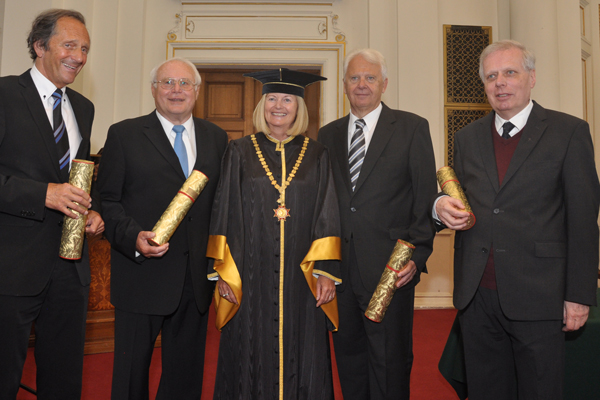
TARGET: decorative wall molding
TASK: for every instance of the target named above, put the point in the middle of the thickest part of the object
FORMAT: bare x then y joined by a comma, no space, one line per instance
250,34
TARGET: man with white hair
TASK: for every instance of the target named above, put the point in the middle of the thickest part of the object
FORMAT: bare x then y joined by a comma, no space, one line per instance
526,272
160,288
384,172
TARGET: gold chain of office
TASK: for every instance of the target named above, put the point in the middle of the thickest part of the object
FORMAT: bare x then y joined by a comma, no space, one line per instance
285,184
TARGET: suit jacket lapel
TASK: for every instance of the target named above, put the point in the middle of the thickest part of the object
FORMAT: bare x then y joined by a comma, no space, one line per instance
532,133
486,148
341,148
202,147
156,134
39,116
381,137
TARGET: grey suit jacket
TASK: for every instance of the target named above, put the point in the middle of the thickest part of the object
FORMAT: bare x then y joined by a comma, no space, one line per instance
391,198
139,176
542,220
29,232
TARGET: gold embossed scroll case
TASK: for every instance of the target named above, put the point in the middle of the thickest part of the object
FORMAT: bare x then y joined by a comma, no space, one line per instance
451,186
180,205
73,232
386,288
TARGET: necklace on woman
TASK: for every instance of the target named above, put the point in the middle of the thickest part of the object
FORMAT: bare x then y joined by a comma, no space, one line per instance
281,213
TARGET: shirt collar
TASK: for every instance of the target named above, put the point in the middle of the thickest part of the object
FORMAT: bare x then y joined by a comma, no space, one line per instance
370,119
519,120
168,125
43,85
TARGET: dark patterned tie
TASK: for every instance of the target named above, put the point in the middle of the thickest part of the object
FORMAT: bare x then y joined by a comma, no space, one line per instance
180,150
506,128
60,134
356,155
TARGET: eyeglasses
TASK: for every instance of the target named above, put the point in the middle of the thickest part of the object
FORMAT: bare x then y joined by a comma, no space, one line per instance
169,84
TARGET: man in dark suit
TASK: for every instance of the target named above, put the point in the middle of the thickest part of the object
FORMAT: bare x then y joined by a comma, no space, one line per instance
384,172
527,270
35,153
156,288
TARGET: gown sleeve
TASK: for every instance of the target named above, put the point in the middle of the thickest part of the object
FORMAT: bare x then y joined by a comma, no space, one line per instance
227,213
325,250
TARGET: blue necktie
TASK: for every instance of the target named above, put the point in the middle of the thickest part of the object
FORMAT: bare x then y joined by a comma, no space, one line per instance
60,134
180,150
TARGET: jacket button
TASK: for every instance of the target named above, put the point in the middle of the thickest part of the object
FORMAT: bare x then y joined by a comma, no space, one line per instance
190,219
484,250
352,209
186,253
496,211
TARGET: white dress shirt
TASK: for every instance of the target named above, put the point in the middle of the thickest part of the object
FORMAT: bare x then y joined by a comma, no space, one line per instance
189,140
370,124
45,89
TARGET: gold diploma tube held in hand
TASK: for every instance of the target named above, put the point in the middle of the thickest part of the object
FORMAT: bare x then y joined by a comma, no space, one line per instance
451,186
178,208
73,232
387,284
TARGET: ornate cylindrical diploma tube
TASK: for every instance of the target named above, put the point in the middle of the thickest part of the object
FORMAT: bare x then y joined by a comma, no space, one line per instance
451,186
387,284
180,205
73,231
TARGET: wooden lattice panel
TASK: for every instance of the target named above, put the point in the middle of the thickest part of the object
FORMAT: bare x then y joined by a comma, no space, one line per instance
463,45
456,119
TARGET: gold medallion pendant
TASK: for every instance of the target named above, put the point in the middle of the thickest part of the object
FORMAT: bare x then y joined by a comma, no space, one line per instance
281,213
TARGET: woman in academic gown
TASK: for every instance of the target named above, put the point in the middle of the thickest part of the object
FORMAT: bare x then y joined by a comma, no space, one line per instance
275,240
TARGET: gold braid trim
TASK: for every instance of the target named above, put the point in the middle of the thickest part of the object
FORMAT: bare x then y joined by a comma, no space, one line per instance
227,270
327,248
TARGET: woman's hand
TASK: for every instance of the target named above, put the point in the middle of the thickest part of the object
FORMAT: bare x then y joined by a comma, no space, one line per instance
325,290
225,291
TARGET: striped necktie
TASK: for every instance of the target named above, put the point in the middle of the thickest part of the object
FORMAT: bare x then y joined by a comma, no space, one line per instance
180,150
61,138
356,155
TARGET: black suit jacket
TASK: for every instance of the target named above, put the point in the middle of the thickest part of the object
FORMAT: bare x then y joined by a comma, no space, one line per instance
391,198
139,176
542,220
29,232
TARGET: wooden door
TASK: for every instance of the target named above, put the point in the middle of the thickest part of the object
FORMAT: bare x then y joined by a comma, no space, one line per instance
228,99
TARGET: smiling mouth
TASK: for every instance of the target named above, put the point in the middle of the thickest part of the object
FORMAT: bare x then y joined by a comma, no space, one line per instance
70,66
279,114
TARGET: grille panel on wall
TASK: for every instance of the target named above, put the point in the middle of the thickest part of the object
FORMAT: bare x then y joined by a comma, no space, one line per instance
465,99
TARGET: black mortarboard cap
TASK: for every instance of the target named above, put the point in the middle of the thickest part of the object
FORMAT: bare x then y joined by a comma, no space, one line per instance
285,80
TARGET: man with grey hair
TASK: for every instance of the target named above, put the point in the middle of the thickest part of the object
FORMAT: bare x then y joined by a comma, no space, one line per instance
163,288
526,272
384,172
43,126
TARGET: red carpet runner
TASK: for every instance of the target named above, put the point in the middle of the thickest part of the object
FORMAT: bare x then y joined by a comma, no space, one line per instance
431,328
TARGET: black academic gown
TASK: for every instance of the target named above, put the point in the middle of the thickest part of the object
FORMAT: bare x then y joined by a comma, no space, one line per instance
276,301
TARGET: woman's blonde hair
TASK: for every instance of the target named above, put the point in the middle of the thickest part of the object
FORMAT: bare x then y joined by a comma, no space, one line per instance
299,126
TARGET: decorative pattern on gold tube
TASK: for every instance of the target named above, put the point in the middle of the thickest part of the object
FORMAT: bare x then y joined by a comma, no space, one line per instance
387,284
327,248
178,208
73,232
451,186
